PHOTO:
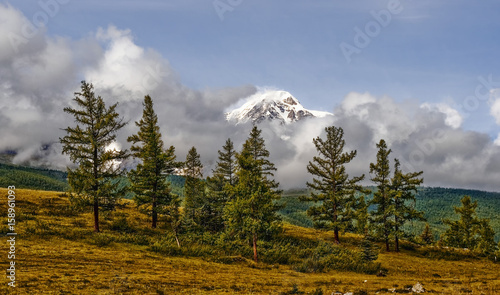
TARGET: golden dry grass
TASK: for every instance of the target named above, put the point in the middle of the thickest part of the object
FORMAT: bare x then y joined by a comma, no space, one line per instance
51,263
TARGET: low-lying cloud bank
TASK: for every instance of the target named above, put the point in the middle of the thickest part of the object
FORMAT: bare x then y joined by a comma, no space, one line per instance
39,75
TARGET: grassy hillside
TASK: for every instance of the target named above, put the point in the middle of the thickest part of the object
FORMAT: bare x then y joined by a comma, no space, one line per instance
57,253
436,203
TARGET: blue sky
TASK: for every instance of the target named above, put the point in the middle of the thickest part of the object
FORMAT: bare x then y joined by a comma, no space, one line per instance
431,51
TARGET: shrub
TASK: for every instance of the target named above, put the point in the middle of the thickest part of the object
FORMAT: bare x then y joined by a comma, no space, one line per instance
328,257
166,247
121,224
281,253
101,239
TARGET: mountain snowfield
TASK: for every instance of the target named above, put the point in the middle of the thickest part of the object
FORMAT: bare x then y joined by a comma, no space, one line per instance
272,105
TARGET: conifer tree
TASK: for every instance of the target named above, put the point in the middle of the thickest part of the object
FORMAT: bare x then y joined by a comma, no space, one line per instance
149,179
382,217
395,197
256,147
470,231
486,239
194,189
404,187
427,237
221,186
362,215
332,185
87,144
369,249
225,170
462,233
252,210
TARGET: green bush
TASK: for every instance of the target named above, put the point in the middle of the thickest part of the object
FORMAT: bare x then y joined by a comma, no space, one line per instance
327,257
121,224
101,239
166,248
281,253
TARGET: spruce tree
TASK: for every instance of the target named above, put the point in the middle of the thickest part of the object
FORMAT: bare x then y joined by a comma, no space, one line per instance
382,217
87,145
149,178
256,147
225,169
194,189
427,237
369,249
395,197
252,210
462,233
486,239
362,216
332,186
404,187
470,231
220,186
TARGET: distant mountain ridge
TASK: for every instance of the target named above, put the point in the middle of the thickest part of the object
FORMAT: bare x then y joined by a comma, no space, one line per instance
272,105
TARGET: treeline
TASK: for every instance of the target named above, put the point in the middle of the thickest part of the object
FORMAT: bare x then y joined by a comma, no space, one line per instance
240,201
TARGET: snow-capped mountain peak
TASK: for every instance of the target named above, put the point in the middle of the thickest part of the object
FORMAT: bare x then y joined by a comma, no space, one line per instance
272,105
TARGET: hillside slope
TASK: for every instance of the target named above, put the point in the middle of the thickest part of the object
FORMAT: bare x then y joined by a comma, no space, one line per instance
32,178
57,253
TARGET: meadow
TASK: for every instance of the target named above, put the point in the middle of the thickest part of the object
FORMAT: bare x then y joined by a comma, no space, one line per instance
57,252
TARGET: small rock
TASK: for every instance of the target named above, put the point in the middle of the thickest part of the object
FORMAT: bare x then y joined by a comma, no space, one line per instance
418,288
381,273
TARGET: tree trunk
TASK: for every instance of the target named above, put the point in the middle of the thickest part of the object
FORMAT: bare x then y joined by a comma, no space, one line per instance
255,258
96,216
387,244
154,215
397,244
336,229
95,187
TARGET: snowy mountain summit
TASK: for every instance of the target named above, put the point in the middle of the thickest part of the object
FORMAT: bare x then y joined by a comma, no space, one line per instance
272,105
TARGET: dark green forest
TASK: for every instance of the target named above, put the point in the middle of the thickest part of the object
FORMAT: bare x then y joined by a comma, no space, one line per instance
32,178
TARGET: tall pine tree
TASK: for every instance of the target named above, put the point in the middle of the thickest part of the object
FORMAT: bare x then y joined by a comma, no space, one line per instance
394,197
87,145
194,189
221,186
382,217
149,179
252,211
332,185
404,187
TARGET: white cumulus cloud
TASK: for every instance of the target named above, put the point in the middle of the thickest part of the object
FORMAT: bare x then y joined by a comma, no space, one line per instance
453,117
